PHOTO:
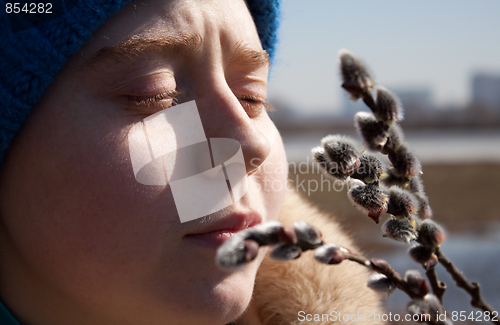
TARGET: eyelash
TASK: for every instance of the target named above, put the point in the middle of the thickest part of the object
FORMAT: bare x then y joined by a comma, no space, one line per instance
257,100
171,94
151,100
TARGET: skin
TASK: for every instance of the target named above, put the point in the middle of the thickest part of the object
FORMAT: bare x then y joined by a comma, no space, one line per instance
81,241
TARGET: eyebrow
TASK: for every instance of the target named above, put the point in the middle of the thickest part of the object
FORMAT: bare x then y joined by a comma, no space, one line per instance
246,56
136,45
183,45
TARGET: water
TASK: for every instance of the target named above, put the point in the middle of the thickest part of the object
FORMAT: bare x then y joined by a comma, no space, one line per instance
431,146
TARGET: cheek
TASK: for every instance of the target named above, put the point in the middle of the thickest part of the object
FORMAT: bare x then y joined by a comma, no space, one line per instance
76,202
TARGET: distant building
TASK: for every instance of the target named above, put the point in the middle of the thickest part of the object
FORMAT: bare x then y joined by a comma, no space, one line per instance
486,90
417,99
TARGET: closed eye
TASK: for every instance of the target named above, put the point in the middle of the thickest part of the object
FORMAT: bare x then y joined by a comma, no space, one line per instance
253,105
166,98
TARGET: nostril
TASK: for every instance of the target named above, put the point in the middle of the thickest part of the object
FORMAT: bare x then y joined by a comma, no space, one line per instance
254,165
254,171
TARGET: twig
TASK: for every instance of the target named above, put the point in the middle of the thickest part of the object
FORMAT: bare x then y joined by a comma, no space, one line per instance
381,266
386,270
290,242
438,287
369,101
359,83
473,289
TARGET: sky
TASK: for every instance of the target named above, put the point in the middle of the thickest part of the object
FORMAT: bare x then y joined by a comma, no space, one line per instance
435,44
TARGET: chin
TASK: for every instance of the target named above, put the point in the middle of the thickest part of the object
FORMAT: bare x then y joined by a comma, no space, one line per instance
230,297
208,301
214,296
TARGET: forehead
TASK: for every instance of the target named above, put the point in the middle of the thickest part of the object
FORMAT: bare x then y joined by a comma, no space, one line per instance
224,23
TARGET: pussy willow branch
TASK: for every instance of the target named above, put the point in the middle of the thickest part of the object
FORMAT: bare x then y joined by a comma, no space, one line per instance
388,271
473,289
382,267
290,242
358,82
438,287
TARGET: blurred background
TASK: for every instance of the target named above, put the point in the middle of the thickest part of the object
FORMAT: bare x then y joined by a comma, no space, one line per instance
442,58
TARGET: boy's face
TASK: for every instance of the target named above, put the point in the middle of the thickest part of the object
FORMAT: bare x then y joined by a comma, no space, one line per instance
81,239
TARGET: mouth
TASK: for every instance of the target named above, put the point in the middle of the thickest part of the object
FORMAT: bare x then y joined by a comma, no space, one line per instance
216,233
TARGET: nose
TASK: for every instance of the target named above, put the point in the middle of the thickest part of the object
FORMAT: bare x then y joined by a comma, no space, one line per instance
223,116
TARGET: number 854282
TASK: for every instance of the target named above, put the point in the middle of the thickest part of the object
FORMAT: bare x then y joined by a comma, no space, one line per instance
29,8
476,316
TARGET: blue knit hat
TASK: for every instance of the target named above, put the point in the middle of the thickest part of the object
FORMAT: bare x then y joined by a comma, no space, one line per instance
35,47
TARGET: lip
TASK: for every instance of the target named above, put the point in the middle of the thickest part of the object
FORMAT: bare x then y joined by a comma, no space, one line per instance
217,232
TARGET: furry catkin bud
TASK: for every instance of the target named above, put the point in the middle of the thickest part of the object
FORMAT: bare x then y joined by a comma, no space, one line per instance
418,307
395,139
412,184
236,252
352,182
268,233
424,209
399,229
308,237
251,250
286,252
428,308
393,178
388,106
373,132
370,169
417,282
380,264
319,156
381,283
405,162
329,254
420,254
430,233
434,306
356,78
415,185
324,163
401,203
411,275
342,152
370,200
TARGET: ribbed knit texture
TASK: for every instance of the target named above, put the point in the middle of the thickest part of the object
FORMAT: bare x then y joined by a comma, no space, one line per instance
35,47
266,17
